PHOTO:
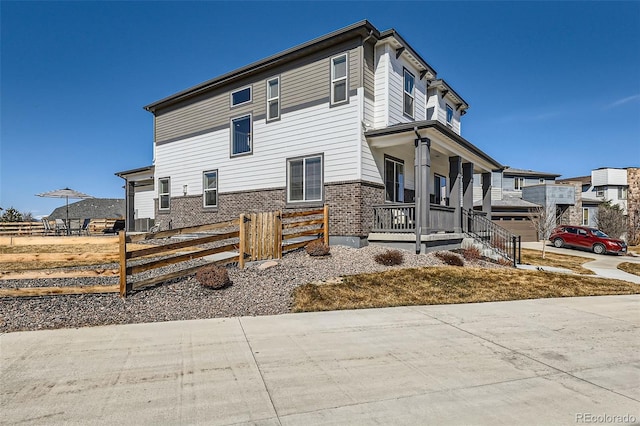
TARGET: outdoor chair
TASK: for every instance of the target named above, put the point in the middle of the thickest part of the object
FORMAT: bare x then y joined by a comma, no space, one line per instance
47,227
118,226
84,230
61,227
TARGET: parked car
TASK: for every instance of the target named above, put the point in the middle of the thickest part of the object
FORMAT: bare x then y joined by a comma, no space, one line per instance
586,238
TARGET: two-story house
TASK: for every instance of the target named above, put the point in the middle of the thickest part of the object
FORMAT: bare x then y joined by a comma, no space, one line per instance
356,119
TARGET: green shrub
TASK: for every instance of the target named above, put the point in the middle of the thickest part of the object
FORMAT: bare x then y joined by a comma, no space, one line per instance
390,258
317,248
213,277
450,258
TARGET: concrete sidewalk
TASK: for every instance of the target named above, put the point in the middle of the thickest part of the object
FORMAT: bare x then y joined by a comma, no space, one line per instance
549,361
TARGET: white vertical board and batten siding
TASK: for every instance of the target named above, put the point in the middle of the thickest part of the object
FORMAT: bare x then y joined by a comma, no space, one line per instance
315,130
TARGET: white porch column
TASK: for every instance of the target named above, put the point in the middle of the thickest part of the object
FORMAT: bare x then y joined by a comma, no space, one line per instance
455,172
467,186
486,193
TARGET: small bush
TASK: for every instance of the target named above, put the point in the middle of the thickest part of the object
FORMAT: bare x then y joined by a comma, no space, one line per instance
450,258
213,276
390,258
504,262
317,248
472,253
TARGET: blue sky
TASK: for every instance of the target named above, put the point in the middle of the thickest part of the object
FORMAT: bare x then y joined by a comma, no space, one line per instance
553,86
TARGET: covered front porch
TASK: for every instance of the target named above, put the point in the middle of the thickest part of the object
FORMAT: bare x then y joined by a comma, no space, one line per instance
428,173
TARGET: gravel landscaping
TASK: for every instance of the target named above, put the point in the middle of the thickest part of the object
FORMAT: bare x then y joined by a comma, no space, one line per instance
255,291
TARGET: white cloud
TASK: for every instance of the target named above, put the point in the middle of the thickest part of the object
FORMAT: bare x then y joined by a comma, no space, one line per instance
623,101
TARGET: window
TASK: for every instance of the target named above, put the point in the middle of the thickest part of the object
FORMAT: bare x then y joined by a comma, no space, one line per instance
449,114
541,180
622,193
164,193
339,72
409,88
394,180
600,192
439,189
241,135
518,183
305,179
210,188
241,96
585,217
273,99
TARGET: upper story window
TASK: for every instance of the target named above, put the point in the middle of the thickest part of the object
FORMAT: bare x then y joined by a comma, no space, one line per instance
622,193
518,183
600,192
241,96
449,114
210,188
409,93
273,99
164,194
241,135
304,179
394,180
339,74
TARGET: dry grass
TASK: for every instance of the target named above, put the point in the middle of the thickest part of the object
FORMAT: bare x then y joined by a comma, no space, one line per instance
632,268
446,285
574,263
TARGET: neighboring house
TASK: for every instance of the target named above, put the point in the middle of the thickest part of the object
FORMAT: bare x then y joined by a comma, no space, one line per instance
139,195
91,208
604,184
516,195
339,120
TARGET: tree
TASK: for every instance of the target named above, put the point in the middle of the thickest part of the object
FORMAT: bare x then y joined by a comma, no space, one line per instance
543,219
28,217
11,215
633,232
610,219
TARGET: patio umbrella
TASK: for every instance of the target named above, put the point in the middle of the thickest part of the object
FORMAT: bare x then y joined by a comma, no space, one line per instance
65,193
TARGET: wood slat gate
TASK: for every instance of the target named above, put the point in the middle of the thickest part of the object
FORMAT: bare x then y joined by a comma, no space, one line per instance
262,235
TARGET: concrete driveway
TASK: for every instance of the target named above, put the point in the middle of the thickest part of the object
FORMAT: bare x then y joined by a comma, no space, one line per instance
550,361
603,265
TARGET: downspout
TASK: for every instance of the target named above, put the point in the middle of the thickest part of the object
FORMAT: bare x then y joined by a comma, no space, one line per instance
418,190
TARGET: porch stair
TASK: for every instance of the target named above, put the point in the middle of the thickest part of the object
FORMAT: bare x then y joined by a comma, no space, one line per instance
491,237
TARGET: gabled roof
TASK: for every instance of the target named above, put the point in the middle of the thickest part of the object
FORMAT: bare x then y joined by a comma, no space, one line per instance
510,171
363,29
92,208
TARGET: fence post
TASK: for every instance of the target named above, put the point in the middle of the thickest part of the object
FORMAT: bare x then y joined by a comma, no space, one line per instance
513,243
243,241
277,228
123,262
326,224
519,248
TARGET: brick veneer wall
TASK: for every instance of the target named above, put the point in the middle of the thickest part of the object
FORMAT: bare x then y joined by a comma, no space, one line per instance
350,206
633,204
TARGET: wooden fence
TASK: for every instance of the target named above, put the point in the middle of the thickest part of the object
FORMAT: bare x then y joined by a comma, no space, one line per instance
252,237
96,226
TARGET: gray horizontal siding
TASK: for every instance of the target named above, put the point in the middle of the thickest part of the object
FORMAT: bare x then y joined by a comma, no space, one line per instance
304,81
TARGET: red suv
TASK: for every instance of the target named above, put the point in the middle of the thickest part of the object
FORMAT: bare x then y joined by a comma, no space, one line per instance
588,238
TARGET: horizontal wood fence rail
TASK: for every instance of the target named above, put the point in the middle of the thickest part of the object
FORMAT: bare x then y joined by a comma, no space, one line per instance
181,231
21,228
182,244
52,291
59,257
52,273
178,259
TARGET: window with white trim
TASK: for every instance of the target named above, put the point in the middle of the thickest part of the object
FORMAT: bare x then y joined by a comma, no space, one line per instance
449,114
210,188
622,193
304,179
409,93
273,98
164,194
518,183
600,192
241,96
241,135
394,180
339,75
